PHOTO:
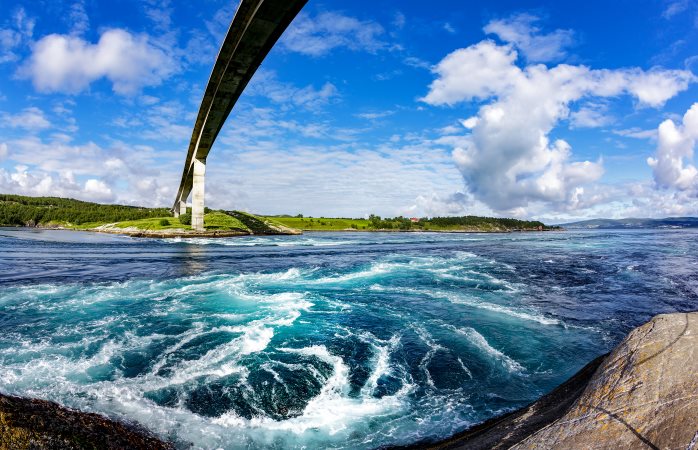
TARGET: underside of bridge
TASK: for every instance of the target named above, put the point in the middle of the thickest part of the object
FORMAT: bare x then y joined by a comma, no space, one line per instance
256,27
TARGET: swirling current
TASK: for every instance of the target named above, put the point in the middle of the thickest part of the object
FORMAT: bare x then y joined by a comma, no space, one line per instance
326,340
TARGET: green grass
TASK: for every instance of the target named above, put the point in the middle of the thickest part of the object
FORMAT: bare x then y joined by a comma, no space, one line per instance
153,224
321,223
221,221
212,221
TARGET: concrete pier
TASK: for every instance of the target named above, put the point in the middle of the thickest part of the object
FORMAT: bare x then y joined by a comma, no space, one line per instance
180,208
197,195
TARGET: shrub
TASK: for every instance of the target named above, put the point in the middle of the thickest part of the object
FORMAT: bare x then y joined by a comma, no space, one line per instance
185,219
164,222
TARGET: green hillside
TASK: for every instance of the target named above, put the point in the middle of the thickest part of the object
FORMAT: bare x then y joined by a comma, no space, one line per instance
376,223
17,210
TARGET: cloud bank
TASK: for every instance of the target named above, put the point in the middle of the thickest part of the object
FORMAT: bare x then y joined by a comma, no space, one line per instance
509,160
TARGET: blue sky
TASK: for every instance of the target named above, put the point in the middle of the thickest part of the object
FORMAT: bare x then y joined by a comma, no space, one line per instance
549,110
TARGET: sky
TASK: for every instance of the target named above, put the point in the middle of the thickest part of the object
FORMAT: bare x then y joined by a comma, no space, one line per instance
545,110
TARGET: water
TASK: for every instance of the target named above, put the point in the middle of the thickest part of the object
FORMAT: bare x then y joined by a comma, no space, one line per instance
341,340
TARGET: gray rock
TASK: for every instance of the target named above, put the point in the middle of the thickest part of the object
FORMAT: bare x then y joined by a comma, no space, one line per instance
645,395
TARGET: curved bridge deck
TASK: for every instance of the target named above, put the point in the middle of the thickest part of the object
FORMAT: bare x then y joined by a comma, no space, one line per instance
256,27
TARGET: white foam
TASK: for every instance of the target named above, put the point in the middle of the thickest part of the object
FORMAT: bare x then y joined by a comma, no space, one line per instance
458,299
332,410
479,341
465,369
381,365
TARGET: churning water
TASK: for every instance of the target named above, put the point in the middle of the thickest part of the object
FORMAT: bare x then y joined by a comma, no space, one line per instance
342,340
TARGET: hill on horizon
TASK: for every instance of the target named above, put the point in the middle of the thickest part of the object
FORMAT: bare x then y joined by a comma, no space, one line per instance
634,223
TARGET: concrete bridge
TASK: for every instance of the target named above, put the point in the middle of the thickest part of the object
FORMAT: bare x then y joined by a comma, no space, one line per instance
256,27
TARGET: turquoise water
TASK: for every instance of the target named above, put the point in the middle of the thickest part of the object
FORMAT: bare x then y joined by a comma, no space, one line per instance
341,340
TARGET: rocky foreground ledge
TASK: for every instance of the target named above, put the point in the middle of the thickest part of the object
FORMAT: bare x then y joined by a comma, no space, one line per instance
644,394
38,424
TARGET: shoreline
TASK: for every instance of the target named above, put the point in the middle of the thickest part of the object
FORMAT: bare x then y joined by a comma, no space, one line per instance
180,233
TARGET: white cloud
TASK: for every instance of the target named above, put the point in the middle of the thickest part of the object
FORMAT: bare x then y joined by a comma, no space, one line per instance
655,87
417,63
18,32
435,205
375,115
31,119
61,63
129,174
3,151
79,20
672,167
218,25
520,31
266,84
637,133
675,7
591,115
317,36
470,122
399,20
508,161
97,190
478,71
160,13
449,28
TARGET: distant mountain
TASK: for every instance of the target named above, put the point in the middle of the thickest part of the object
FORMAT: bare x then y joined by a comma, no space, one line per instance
632,223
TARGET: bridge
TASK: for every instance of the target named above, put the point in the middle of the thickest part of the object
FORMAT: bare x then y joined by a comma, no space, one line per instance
255,28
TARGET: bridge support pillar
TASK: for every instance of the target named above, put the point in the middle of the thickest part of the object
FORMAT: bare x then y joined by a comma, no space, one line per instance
180,208
197,195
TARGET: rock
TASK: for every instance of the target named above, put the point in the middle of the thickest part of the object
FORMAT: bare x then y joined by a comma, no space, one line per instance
645,395
39,424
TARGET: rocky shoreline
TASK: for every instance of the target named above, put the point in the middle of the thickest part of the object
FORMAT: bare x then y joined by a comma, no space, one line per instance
644,394
39,424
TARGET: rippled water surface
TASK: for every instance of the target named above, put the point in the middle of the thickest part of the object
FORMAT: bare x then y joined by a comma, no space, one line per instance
346,340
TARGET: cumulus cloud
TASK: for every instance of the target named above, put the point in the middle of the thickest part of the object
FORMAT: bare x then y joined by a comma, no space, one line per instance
31,119
69,64
317,36
521,31
508,161
672,165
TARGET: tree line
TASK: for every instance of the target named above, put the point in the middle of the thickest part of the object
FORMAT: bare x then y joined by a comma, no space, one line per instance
404,223
18,210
